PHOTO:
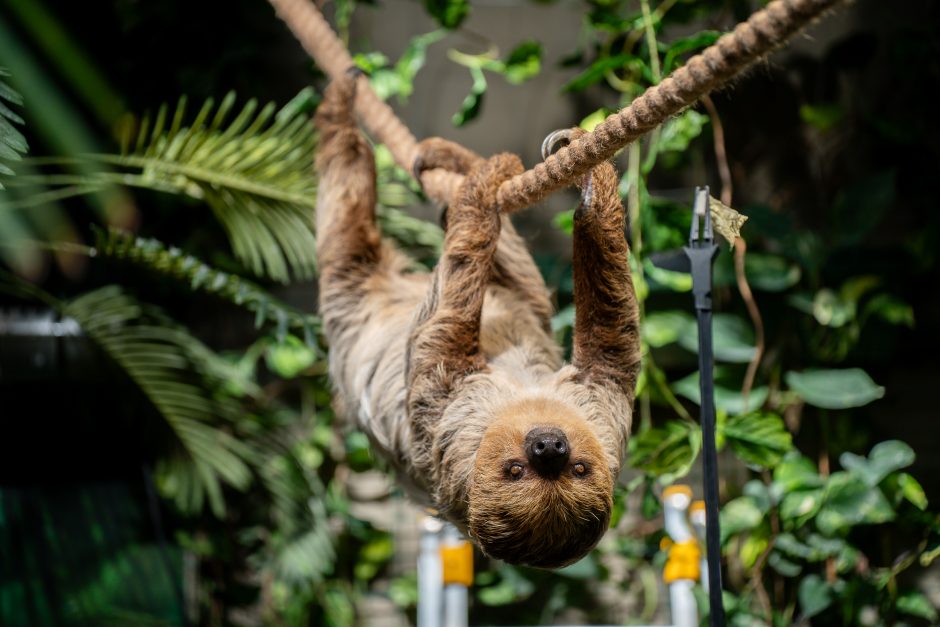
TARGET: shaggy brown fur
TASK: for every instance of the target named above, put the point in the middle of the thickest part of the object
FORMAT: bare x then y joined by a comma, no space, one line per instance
454,374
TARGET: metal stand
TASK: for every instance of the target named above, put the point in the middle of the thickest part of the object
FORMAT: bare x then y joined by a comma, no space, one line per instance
701,252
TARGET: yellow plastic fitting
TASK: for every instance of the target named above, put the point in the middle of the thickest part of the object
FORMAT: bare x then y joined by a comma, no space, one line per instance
683,562
457,563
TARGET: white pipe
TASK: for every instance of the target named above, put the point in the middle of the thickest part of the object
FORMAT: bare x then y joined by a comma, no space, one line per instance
430,574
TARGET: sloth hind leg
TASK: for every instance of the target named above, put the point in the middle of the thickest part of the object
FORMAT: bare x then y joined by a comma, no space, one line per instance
348,241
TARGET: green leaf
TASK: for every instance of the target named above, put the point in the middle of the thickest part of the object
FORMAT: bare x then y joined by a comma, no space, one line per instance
591,122
769,273
523,63
727,400
798,507
473,103
289,358
665,327
252,171
667,452
850,501
701,39
823,117
596,71
678,133
884,458
740,514
890,309
815,595
155,256
917,604
170,368
912,490
733,339
758,439
783,566
448,13
794,473
835,389
675,281
12,142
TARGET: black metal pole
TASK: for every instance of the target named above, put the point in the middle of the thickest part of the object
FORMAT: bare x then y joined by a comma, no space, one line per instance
701,252
710,463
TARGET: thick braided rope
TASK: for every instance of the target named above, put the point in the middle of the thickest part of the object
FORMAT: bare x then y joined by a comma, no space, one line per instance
730,56
318,39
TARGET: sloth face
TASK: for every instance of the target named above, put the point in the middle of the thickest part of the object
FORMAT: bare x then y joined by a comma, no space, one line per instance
541,492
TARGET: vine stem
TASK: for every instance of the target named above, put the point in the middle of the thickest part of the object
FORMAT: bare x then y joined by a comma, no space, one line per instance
740,252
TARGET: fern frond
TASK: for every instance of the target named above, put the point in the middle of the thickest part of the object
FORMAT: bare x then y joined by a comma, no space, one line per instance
12,142
169,365
172,262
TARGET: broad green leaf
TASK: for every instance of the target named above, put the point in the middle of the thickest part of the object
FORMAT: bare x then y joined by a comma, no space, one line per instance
798,507
769,273
795,472
752,548
917,604
783,566
290,357
835,389
665,327
759,439
666,451
850,501
740,514
891,310
815,595
884,458
675,281
733,339
727,400
678,133
758,492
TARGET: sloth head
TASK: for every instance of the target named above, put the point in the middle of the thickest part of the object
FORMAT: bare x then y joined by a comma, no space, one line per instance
541,492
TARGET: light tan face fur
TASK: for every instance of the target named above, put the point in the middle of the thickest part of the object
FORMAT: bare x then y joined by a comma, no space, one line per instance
525,517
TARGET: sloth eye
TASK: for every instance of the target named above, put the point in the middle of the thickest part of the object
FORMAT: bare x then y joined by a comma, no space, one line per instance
515,471
580,469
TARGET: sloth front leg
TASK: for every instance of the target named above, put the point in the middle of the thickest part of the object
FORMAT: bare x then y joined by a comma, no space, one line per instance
606,332
445,343
513,266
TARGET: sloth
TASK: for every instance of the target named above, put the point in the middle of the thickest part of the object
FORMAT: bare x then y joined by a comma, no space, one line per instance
454,374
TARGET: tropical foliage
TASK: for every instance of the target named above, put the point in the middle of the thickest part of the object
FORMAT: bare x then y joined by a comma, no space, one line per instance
821,522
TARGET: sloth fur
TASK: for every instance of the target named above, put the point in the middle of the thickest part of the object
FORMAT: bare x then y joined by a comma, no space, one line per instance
454,374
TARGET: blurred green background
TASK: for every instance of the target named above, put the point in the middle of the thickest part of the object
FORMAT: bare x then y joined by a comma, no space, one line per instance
168,455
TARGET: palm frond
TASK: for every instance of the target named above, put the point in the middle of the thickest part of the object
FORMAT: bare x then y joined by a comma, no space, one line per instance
173,262
12,143
255,172
169,366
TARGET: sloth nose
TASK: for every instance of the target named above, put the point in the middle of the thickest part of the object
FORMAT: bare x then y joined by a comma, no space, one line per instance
547,450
